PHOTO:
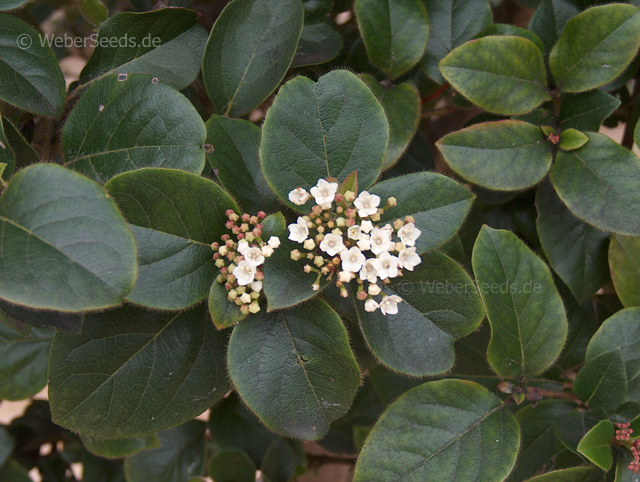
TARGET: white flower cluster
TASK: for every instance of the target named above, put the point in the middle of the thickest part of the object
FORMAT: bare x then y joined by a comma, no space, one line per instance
341,239
240,260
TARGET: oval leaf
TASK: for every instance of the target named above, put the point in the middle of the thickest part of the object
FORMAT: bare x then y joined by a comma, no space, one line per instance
120,447
506,155
549,19
65,246
575,474
602,382
328,128
502,74
587,111
232,466
239,70
475,422
624,259
123,125
528,321
299,357
596,445
319,43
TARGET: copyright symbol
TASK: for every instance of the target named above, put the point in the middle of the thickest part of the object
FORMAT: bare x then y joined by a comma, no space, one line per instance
24,41
404,288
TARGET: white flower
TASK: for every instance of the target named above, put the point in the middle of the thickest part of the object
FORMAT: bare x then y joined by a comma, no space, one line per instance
267,251
389,305
364,243
369,271
409,259
345,276
298,196
374,289
371,305
274,242
332,244
244,273
388,266
242,245
352,260
324,193
408,234
253,256
299,231
354,232
366,226
380,240
256,286
367,204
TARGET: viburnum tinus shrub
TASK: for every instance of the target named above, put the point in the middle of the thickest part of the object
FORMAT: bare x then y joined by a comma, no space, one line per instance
391,227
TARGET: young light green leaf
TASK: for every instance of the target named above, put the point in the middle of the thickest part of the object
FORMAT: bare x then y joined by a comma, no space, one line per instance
440,304
624,259
166,43
232,466
610,174
574,474
454,22
596,445
65,246
571,139
239,70
595,47
304,359
37,84
549,19
122,125
328,128
602,382
502,74
174,216
528,321
587,111
179,356
319,43
463,418
119,448
507,155
394,32
94,11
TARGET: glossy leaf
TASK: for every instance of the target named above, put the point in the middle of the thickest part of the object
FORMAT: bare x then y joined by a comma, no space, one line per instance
463,420
528,321
587,111
453,23
596,445
180,456
438,204
595,47
123,125
610,174
299,357
502,74
65,246
440,304
179,357
549,20
174,216
232,466
167,44
575,250
328,128
624,259
394,32
505,155
235,156
319,43
120,447
602,382
37,83
574,474
239,70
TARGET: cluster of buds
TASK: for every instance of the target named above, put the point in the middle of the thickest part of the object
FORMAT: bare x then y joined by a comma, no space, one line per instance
634,466
624,432
340,240
240,257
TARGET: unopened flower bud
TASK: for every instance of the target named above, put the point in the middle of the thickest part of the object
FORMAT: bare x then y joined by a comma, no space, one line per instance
225,237
296,254
309,255
228,212
398,223
259,275
233,294
307,268
254,220
317,210
309,244
229,225
315,286
244,227
221,278
341,222
235,230
215,246
254,307
350,222
234,217
331,225
249,237
255,295
351,213
219,262
231,278
375,217
320,229
229,244
228,285
409,219
246,298
318,261
245,218
223,251
362,295
374,289
349,196
339,198
238,301
257,232
392,202
244,309
262,215
339,209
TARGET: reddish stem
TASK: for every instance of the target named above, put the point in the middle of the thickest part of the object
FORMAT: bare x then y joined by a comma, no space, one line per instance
435,94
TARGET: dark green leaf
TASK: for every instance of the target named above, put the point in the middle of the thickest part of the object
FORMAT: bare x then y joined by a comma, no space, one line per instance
281,459
94,11
610,174
582,326
7,444
575,425
505,29
32,79
11,4
235,156
390,385
240,70
319,129
401,103
273,225
440,304
121,447
178,357
549,19
574,474
65,246
299,357
623,474
506,155
123,125
394,32
454,22
14,472
224,313
24,153
575,250
232,466
595,47
502,74
438,204
47,319
624,259
462,419
318,44
596,445
528,321
7,156
602,382
180,456
571,139
587,111
174,216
